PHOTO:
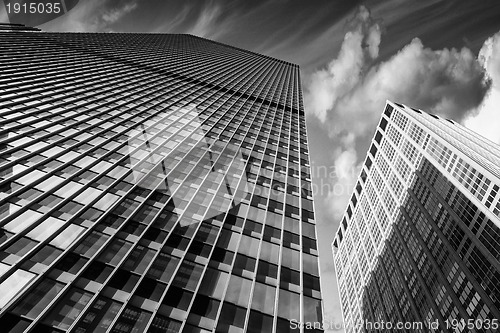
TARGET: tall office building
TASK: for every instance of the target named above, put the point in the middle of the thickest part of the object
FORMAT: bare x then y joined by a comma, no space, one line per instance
419,242
152,183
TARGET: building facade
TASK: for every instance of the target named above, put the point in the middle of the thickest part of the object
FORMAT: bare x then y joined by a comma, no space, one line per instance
152,183
418,248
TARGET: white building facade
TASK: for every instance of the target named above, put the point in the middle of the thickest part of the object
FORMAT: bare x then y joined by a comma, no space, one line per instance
418,248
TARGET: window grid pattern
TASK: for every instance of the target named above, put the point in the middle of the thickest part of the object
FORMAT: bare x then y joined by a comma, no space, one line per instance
153,241
440,257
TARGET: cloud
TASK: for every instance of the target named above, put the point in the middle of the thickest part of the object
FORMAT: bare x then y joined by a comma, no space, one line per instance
487,120
114,14
205,25
346,172
90,16
349,95
343,74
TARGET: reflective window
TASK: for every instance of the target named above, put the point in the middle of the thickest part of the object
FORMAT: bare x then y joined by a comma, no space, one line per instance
214,283
163,324
258,323
46,229
238,290
12,285
232,318
270,252
115,251
150,289
188,275
68,308
91,244
38,298
132,320
99,316
263,298
139,259
163,267
288,304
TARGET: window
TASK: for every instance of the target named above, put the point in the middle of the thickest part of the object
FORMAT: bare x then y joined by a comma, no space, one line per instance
139,259
163,267
115,251
12,285
68,308
162,324
214,283
232,318
132,320
238,291
263,298
288,304
258,323
91,244
99,316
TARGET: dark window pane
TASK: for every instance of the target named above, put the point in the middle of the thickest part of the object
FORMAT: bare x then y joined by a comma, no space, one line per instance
115,251
37,300
14,324
150,289
188,275
205,307
163,324
163,267
214,282
68,308
71,263
97,271
258,323
131,320
91,244
46,255
139,259
124,280
267,272
231,316
177,298
99,316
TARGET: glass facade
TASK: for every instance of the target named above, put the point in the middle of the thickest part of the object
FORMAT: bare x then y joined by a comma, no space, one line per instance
419,244
152,183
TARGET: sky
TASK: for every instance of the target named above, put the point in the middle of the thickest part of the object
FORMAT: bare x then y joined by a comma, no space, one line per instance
440,56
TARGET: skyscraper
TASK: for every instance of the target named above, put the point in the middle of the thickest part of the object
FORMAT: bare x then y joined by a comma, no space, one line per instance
152,183
419,243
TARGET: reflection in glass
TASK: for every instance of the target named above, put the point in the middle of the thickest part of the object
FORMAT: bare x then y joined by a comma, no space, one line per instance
238,290
288,304
263,298
131,320
99,316
68,308
37,299
12,285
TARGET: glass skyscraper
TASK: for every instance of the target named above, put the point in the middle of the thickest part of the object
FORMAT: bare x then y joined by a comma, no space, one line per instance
419,243
152,183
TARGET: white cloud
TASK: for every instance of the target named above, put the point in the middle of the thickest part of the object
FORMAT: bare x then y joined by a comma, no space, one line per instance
205,24
114,14
346,173
348,95
487,120
329,85
89,16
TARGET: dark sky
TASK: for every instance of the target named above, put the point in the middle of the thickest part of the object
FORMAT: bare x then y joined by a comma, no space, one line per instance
320,36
